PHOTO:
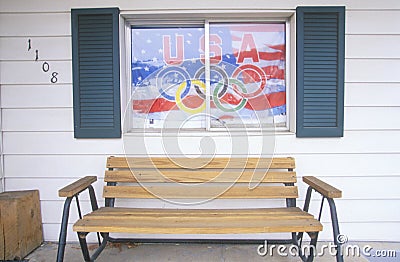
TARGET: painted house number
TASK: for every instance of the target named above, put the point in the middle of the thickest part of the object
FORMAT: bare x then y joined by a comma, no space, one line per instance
45,65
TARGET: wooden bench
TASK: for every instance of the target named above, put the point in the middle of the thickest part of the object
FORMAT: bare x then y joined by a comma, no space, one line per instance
181,180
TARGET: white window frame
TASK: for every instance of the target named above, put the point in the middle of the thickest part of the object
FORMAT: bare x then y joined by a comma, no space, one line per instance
186,18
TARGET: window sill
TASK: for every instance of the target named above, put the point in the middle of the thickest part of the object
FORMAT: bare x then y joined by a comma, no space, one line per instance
201,133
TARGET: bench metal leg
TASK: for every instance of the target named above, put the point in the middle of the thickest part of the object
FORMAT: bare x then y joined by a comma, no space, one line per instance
85,249
100,248
334,220
84,246
63,230
336,232
93,202
313,246
305,208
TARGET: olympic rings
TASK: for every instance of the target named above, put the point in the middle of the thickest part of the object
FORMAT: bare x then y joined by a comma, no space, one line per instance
219,70
252,68
178,97
218,103
181,78
178,71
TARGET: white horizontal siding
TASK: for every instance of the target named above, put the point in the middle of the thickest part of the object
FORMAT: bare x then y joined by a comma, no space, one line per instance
59,166
57,143
352,142
372,118
49,143
354,211
362,188
372,70
383,22
50,48
40,151
372,95
373,46
55,119
29,25
36,96
31,72
358,164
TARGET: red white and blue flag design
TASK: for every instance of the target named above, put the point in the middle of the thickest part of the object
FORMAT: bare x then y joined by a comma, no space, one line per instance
168,70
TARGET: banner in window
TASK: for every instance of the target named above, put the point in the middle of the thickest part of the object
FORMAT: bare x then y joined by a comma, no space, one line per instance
247,75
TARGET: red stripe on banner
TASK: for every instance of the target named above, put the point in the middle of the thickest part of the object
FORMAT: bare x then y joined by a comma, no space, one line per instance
281,48
258,103
271,56
153,105
162,105
268,56
274,72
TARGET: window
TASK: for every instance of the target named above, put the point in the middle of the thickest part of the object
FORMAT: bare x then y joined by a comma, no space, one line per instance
209,76
250,97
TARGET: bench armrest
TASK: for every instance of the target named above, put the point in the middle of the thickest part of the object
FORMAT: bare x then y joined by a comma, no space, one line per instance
77,186
323,188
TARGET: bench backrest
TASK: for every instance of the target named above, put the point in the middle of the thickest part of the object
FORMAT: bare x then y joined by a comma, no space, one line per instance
185,178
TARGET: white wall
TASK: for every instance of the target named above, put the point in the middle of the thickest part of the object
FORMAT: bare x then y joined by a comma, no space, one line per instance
40,151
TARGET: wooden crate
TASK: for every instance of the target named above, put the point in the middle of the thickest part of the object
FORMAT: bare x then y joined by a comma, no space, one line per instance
20,224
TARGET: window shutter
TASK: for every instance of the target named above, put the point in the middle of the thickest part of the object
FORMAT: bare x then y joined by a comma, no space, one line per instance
95,66
320,71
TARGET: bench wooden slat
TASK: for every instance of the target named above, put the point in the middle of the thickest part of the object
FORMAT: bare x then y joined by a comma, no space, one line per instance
163,162
198,176
193,222
216,227
77,186
179,211
154,213
182,192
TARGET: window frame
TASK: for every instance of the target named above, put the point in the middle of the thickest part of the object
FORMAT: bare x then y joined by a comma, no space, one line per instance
184,19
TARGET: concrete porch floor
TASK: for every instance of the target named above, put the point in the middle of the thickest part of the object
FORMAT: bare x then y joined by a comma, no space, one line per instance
200,252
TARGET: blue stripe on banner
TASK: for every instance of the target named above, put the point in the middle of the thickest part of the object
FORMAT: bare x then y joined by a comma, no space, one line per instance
279,110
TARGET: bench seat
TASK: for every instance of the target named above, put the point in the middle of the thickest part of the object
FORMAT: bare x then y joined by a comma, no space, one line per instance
198,221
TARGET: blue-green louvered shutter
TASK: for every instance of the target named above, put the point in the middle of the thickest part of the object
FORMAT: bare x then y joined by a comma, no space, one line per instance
95,62
320,71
